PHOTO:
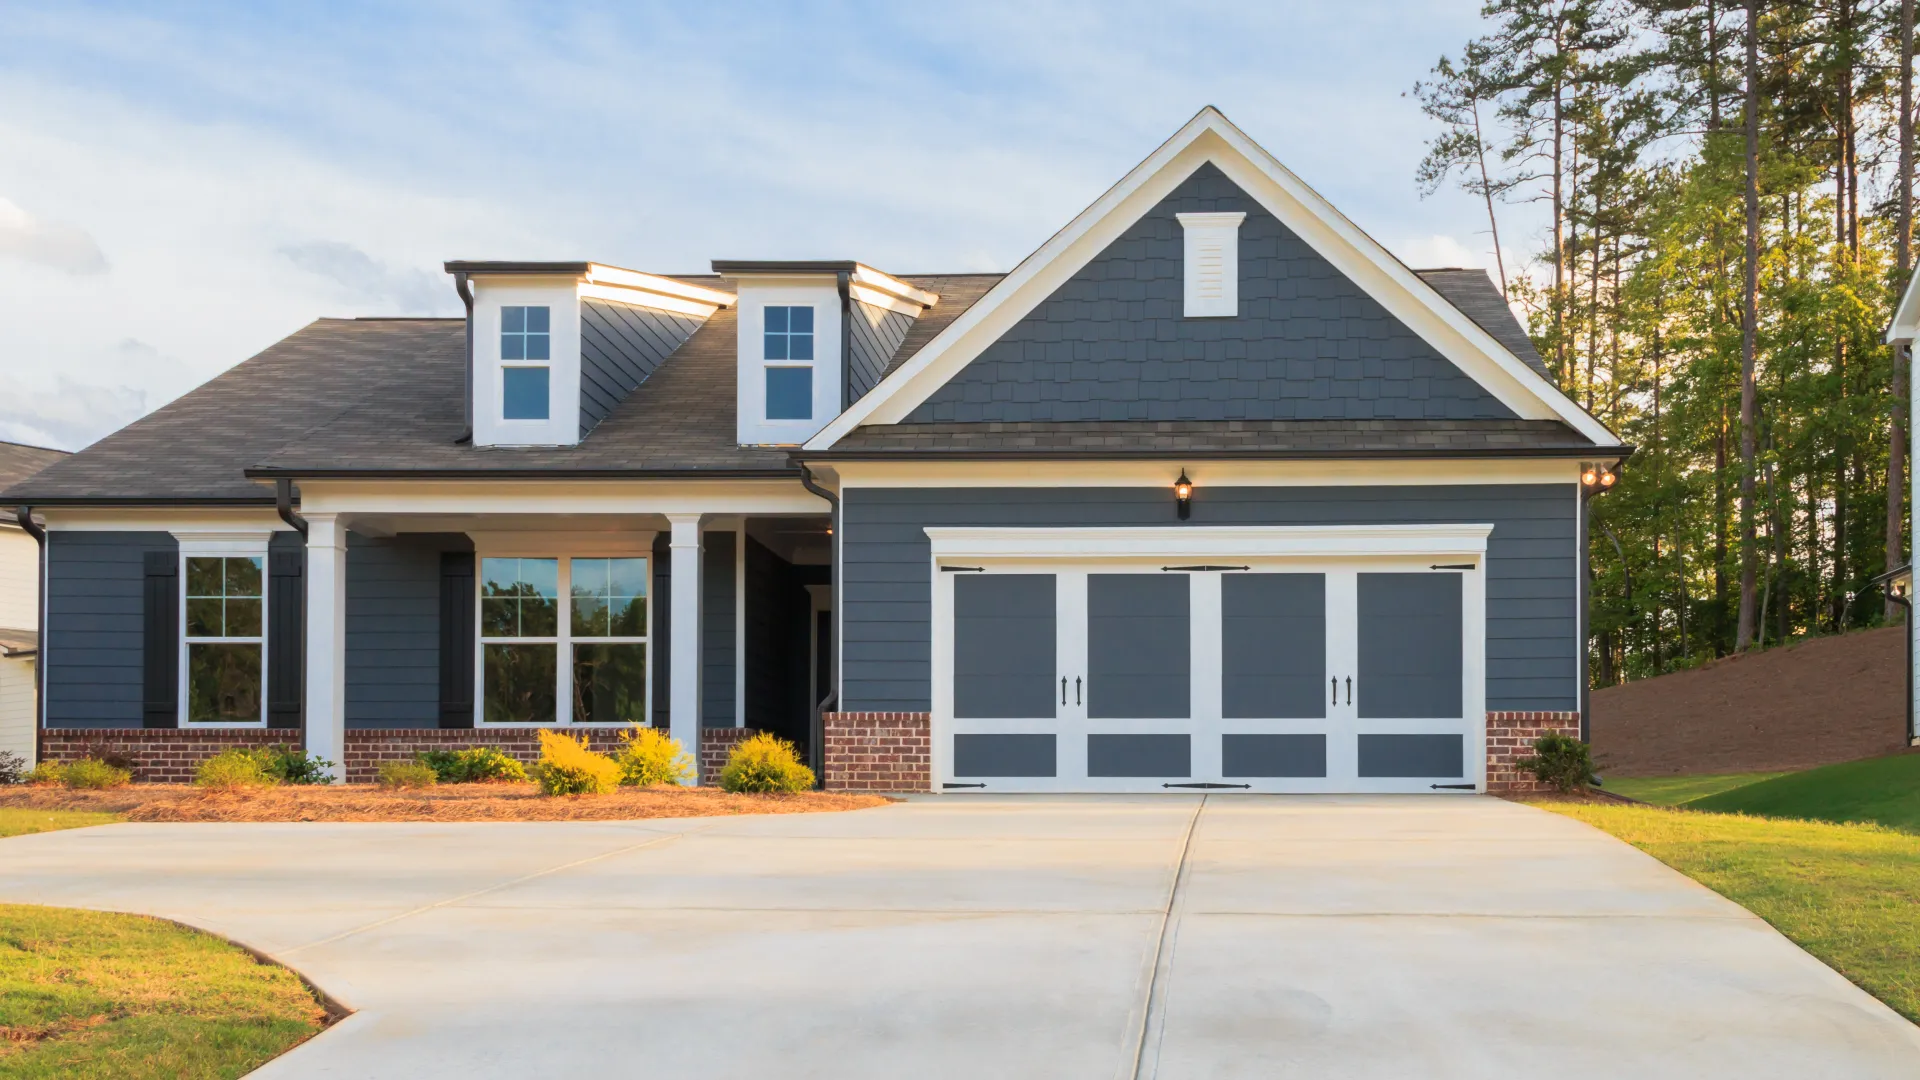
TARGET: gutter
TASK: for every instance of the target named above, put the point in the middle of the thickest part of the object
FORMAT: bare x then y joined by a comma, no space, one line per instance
1584,453
24,515
276,473
283,503
816,734
461,286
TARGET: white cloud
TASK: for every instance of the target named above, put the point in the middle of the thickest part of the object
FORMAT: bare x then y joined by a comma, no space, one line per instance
363,278
48,243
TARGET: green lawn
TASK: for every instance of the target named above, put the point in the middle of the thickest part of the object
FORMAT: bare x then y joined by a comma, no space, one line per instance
1848,894
1885,790
92,994
1674,790
19,822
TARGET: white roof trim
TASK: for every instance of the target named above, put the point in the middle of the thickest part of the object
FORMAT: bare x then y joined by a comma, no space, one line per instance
601,274
1906,318
1210,137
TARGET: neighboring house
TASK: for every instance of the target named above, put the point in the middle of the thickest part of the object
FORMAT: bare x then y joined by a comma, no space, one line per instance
1209,491
19,603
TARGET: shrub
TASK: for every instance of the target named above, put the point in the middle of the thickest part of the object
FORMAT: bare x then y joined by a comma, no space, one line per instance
47,772
293,766
648,756
13,767
765,763
567,767
94,774
1561,761
236,768
474,765
394,775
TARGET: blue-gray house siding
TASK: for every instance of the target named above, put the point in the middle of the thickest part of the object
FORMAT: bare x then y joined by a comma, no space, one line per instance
886,589
393,633
93,660
1112,344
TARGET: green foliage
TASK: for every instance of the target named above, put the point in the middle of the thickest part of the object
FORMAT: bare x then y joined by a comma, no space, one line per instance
1884,790
236,768
12,767
763,764
93,774
295,766
395,775
47,772
649,756
473,765
567,767
1561,761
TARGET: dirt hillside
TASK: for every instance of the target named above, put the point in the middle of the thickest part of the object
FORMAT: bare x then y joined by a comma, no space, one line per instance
1815,703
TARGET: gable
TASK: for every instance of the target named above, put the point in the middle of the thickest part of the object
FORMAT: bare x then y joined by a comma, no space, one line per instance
1111,344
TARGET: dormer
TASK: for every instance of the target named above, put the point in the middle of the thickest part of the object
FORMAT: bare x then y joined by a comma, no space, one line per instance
814,337
553,346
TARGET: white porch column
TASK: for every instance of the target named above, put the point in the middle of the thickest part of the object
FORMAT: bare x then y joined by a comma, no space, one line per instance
327,640
683,698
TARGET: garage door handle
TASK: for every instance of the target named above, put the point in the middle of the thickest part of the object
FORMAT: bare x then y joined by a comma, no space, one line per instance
1336,689
1349,689
1076,689
1063,689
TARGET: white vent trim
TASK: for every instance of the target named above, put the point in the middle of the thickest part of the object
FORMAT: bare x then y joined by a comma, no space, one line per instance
1212,264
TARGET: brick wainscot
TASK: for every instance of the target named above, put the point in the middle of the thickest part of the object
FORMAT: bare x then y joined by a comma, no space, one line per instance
1510,737
878,751
170,755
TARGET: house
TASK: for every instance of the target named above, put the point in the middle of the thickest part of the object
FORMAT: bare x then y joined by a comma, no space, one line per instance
1210,491
19,603
1898,581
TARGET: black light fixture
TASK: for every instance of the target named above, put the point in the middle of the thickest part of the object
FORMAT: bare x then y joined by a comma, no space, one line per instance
1183,495
1596,477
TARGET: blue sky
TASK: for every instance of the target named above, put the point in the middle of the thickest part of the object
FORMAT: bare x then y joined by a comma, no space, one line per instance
182,185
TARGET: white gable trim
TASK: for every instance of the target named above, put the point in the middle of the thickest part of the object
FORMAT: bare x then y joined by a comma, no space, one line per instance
1209,137
1906,318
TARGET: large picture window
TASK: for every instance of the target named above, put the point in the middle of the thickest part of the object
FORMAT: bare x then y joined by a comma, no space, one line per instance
592,656
224,640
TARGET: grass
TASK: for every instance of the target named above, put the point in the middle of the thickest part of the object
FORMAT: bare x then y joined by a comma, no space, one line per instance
92,994
1675,790
1883,790
1848,894
19,821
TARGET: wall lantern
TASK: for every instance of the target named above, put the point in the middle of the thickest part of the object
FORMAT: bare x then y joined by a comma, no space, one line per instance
1183,495
1595,478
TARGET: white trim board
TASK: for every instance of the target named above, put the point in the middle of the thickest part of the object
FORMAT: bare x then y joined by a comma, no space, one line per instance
1210,137
1176,542
1204,474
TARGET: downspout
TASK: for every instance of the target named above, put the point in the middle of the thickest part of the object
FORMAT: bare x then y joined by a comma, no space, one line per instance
24,515
845,281
283,502
466,297
816,736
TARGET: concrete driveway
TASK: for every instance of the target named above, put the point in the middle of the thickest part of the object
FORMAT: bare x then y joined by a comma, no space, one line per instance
999,937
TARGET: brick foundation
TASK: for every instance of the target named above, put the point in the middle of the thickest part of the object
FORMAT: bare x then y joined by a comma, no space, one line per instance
159,755
170,755
1510,737
878,751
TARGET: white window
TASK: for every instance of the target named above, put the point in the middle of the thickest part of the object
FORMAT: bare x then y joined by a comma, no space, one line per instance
526,346
223,652
591,655
788,351
1212,256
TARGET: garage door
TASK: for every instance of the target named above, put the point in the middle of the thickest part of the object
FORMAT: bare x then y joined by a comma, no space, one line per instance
1274,675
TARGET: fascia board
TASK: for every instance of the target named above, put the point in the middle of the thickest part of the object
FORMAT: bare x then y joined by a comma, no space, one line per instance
1906,318
1209,136
1210,542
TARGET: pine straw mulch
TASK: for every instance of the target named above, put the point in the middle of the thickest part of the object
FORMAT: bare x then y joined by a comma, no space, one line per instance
447,802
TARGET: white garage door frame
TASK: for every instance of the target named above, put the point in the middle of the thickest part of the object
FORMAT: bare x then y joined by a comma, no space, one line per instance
1340,551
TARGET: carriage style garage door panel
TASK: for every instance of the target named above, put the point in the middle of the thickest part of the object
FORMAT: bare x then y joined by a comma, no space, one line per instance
1268,672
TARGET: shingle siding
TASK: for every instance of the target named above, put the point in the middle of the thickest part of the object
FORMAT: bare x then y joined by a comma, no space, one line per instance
876,337
1111,344
94,659
886,587
620,345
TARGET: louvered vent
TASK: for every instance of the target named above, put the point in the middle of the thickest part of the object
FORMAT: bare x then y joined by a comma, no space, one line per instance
1212,264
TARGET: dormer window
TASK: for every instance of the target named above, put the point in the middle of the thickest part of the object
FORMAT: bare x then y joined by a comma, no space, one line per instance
789,385
526,347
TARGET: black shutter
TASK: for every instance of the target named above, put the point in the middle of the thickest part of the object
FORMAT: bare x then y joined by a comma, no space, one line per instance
160,626
286,637
456,639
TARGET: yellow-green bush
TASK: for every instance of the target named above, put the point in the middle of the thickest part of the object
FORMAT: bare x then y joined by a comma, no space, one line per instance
765,763
474,765
47,772
234,768
648,756
567,767
93,773
394,775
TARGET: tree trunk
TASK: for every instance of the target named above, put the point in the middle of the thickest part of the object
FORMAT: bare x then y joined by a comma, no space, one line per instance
1749,326
1486,189
1903,264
